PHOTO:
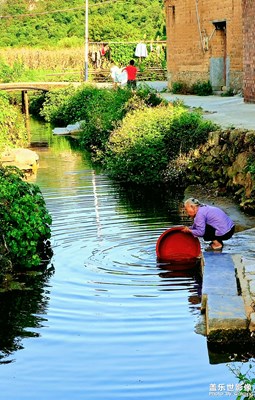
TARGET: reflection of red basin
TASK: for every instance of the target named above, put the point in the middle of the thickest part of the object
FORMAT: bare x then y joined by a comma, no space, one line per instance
177,247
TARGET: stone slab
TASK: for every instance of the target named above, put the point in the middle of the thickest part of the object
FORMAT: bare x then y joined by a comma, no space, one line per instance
225,312
223,307
218,275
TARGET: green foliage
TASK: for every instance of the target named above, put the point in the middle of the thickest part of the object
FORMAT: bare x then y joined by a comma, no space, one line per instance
228,93
199,88
149,96
103,111
110,21
250,167
202,88
10,74
100,110
180,88
140,150
136,151
122,53
12,126
188,130
246,381
54,106
36,104
25,222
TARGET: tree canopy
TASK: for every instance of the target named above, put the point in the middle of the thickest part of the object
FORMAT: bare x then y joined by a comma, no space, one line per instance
42,23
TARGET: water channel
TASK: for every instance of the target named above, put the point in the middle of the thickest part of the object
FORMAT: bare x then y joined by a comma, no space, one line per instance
108,323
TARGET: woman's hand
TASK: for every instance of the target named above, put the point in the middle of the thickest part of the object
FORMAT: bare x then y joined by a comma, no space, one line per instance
186,229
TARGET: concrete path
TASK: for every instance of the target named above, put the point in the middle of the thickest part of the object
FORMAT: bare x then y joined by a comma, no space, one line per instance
225,111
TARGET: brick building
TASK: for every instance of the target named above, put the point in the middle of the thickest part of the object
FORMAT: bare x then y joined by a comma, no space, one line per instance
205,42
249,50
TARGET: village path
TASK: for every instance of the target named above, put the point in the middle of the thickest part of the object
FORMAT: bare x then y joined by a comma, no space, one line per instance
225,111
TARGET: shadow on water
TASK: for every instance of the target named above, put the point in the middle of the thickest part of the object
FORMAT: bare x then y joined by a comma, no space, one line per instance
22,311
188,278
159,202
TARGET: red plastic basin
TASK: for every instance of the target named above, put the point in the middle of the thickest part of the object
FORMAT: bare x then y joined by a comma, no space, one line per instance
177,247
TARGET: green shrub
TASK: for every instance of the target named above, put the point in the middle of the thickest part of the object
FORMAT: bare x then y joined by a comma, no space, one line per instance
140,150
10,74
100,110
12,125
25,222
187,131
202,88
230,92
36,103
87,103
101,114
136,151
250,166
53,109
180,88
149,96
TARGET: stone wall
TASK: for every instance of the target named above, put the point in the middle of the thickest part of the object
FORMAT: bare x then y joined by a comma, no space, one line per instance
249,50
227,163
205,41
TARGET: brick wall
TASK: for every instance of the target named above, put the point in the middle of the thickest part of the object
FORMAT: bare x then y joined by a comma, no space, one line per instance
249,50
194,45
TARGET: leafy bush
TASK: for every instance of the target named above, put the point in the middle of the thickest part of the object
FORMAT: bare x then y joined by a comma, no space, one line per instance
188,130
100,110
25,222
149,96
136,151
228,93
140,150
202,88
10,74
53,107
36,103
12,125
180,88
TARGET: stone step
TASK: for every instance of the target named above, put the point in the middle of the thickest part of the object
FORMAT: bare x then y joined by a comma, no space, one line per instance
223,306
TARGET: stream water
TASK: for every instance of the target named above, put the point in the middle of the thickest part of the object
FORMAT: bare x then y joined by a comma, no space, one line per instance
108,323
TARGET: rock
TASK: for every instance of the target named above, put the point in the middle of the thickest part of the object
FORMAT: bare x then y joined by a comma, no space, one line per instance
24,159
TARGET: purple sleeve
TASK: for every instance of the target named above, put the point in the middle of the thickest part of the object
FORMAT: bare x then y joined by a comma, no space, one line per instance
198,227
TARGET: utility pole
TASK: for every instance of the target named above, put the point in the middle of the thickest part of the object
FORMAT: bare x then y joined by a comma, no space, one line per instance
86,75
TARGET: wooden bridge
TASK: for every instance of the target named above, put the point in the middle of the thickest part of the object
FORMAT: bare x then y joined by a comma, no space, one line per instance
24,87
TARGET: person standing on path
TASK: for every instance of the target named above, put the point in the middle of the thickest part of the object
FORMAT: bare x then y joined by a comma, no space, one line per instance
131,74
210,222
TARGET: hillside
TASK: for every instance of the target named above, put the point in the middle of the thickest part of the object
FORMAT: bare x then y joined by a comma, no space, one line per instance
47,23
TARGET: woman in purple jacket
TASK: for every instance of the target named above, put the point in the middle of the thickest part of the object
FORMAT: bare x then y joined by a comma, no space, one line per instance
210,222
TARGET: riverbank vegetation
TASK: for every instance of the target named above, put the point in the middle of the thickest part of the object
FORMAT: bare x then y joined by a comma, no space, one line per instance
138,138
25,224
133,135
12,126
140,150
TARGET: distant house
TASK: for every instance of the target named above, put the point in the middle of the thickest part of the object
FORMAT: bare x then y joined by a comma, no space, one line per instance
249,50
211,40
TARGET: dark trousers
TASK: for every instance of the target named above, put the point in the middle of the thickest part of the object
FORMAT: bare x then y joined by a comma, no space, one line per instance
131,84
210,234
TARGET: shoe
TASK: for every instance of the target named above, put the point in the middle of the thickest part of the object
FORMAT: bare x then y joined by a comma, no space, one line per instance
210,248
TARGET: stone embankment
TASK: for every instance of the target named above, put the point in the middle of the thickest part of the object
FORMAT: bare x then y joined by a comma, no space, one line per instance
227,163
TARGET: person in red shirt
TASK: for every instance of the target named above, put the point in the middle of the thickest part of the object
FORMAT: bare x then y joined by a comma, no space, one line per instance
131,74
